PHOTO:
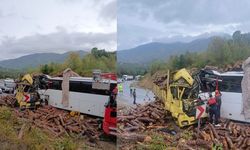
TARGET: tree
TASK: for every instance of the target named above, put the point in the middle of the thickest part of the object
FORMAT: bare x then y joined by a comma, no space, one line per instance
45,69
74,62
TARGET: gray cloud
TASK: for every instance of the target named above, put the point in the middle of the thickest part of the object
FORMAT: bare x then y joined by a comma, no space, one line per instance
56,26
108,12
60,41
180,18
190,11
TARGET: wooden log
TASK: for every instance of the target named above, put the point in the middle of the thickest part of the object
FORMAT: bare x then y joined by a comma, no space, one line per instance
224,142
140,123
130,125
125,117
132,136
61,120
145,119
21,132
229,141
239,141
154,115
131,128
214,131
211,134
248,142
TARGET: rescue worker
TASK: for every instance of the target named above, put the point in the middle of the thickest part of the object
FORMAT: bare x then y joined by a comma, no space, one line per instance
213,115
134,95
218,101
120,88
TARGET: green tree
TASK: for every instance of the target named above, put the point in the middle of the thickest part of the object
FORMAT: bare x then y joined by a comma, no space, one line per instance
74,62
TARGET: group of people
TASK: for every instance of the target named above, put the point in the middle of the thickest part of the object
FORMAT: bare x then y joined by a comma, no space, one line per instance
132,92
214,104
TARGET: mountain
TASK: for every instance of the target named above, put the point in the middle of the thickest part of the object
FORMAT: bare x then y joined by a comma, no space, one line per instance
34,60
160,51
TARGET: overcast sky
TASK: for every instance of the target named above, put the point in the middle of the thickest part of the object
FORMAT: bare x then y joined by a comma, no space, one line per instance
143,21
32,26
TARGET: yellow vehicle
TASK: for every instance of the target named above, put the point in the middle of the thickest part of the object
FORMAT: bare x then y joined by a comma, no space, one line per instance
180,97
27,92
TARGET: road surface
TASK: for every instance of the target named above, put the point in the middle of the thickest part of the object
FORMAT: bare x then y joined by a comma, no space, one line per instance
142,95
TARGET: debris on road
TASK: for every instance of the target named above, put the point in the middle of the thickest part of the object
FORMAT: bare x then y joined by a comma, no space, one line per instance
134,123
159,78
137,125
143,117
58,122
7,100
231,135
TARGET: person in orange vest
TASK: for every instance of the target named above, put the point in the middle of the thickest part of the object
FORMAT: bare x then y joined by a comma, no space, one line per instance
218,101
213,115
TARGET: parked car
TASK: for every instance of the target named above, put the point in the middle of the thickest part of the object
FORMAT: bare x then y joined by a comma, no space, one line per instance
7,85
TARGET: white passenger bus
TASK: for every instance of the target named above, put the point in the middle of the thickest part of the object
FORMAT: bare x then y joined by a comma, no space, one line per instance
232,102
84,97
230,87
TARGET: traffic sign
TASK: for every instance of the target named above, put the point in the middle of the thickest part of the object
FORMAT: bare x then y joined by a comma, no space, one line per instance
200,111
26,97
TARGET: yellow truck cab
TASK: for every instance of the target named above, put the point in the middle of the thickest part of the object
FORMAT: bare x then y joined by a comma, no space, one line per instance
178,97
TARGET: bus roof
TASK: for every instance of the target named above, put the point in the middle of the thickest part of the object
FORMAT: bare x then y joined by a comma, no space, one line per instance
86,79
229,73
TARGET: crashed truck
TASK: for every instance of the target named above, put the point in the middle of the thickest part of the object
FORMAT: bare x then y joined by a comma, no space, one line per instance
183,94
88,95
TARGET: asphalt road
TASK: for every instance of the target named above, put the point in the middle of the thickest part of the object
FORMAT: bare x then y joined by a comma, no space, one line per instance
142,95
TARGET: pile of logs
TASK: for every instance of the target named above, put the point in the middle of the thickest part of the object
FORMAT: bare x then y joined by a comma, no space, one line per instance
58,122
140,119
237,66
159,78
231,135
7,100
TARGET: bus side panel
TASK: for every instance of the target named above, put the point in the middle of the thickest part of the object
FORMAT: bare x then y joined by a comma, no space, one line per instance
231,106
86,103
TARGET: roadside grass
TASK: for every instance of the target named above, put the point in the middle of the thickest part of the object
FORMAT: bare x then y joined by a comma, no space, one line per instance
156,143
33,138
160,141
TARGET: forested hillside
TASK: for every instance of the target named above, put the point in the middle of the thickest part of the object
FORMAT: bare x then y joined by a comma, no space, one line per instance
97,59
220,52
146,53
9,73
36,59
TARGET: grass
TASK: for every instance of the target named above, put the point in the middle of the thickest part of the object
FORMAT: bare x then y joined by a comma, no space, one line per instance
33,138
160,141
187,135
157,143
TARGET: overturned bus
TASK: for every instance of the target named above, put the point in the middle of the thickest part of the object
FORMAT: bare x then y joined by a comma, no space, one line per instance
229,84
86,95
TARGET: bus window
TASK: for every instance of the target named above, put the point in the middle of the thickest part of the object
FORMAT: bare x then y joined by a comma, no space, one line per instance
231,84
56,85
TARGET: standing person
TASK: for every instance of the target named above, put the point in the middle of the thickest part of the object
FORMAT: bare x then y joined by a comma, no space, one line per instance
213,116
134,95
218,101
131,92
120,88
